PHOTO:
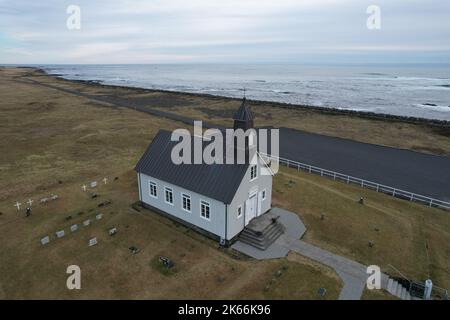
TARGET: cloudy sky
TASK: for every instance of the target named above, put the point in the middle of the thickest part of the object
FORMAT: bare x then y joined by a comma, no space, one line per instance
227,31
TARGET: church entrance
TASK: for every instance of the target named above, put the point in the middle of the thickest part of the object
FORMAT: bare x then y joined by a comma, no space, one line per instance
251,208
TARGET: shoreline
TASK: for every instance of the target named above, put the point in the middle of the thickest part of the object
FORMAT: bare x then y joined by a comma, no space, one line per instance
323,110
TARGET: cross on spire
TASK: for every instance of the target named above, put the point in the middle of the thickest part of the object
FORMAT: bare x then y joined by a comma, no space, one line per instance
243,117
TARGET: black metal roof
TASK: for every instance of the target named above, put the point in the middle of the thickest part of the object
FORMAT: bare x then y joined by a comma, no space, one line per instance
216,181
243,113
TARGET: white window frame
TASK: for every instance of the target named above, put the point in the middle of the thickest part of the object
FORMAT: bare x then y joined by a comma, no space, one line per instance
203,202
183,196
263,195
256,172
165,195
239,215
150,184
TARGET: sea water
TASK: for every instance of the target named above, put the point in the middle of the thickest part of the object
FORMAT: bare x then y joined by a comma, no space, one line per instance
406,90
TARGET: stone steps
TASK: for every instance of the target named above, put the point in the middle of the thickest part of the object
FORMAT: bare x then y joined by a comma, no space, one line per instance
396,289
262,239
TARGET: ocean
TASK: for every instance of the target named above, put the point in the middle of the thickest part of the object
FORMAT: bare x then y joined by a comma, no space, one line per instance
419,91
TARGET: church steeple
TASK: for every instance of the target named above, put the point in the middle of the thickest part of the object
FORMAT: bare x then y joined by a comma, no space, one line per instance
243,117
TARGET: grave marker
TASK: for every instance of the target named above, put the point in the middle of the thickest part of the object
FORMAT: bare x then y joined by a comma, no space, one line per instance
60,233
30,202
83,187
18,204
45,240
92,242
93,184
86,222
105,180
112,231
99,216
73,227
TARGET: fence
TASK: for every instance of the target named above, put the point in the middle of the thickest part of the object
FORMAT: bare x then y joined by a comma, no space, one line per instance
395,192
417,289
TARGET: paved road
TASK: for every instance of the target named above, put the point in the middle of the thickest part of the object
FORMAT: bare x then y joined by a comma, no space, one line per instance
416,172
411,171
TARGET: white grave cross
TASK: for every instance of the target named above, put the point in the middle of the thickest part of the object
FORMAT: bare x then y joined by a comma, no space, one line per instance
83,187
105,180
18,204
30,202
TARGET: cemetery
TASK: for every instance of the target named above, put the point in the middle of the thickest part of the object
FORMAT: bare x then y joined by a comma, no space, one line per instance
107,142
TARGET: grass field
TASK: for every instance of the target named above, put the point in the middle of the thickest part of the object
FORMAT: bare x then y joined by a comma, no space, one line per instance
218,110
54,142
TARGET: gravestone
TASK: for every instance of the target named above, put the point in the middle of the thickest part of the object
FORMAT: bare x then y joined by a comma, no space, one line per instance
45,240
60,233
93,184
92,242
74,227
99,216
44,200
54,197
134,250
86,222
112,231
322,292
166,262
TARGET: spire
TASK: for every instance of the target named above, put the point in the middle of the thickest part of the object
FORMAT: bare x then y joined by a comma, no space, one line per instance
243,117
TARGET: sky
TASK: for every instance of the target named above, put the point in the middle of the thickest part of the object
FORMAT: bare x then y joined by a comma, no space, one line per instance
227,31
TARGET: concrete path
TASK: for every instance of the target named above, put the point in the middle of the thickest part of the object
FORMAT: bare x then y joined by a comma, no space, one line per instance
352,273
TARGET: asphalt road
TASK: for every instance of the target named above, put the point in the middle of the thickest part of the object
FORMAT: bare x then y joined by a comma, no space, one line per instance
411,171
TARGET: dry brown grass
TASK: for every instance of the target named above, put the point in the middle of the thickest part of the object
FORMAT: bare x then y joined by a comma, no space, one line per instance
53,143
409,236
388,133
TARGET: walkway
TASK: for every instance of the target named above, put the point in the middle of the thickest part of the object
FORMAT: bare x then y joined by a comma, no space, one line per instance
352,273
